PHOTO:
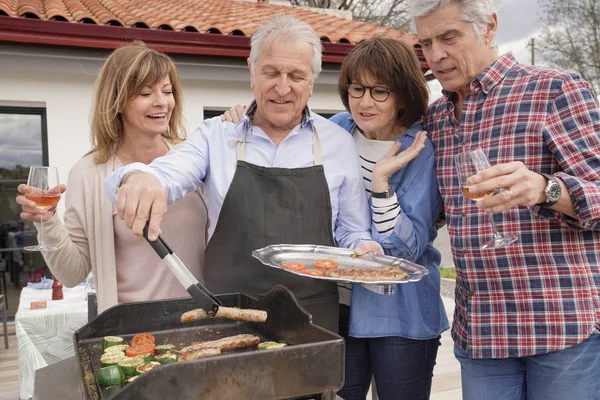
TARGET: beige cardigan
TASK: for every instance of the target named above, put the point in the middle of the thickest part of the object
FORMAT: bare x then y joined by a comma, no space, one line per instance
86,240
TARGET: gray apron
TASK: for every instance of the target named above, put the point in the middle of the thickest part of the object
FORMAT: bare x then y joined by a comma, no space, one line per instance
265,206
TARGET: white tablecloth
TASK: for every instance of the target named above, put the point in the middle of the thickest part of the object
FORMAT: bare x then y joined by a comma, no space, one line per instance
45,336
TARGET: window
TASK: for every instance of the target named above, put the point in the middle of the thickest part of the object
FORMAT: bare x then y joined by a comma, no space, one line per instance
208,113
23,142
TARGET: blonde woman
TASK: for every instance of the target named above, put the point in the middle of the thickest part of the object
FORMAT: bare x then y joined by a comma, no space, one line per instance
136,117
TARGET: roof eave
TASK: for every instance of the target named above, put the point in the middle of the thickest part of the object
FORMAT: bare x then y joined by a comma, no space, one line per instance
26,30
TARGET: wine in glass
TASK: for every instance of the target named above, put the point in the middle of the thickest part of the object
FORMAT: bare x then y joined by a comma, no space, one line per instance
45,193
468,164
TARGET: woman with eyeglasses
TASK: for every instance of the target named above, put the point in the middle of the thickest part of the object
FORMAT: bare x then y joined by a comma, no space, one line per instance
391,332
392,336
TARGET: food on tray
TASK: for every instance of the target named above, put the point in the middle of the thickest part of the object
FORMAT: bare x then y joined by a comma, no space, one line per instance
270,345
141,345
147,366
313,272
119,347
164,348
129,365
236,314
166,358
326,263
226,343
294,266
112,358
200,353
368,274
108,376
111,341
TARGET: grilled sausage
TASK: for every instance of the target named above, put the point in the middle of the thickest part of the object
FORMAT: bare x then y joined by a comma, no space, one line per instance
226,343
236,314
200,353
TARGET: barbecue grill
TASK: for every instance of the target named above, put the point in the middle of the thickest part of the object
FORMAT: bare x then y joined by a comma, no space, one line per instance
312,366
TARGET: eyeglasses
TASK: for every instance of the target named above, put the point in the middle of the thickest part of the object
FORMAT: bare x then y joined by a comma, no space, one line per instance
378,93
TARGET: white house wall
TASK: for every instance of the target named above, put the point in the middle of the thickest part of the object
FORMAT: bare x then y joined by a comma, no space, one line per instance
62,81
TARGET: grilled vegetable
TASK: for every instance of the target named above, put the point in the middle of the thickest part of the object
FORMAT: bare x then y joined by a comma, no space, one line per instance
164,348
111,341
131,378
145,367
270,345
166,358
147,357
128,365
119,347
140,349
111,375
112,358
142,338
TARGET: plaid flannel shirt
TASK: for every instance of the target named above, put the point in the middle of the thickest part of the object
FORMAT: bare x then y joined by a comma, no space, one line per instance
539,294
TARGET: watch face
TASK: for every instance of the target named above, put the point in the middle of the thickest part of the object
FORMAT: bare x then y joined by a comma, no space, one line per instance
554,192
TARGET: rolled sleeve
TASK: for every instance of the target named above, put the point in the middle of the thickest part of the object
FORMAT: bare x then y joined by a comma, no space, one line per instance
573,136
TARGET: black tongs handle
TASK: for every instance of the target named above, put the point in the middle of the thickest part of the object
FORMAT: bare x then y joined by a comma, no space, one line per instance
205,299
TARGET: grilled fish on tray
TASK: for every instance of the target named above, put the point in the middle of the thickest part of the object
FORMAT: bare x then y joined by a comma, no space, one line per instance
340,265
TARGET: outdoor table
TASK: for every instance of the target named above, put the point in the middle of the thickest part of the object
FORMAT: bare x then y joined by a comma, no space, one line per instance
45,336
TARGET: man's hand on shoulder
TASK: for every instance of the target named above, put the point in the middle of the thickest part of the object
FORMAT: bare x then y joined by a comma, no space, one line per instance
142,198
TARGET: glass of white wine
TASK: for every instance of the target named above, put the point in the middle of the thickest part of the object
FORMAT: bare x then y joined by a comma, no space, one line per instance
468,164
45,193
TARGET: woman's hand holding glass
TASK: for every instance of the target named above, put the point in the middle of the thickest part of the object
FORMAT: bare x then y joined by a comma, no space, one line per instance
39,198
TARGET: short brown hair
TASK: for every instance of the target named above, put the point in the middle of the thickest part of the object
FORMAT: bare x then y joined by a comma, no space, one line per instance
394,63
124,74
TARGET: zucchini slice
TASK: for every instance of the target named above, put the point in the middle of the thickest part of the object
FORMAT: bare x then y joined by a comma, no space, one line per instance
119,347
145,367
110,341
129,365
166,358
109,376
131,378
147,357
270,345
164,348
112,358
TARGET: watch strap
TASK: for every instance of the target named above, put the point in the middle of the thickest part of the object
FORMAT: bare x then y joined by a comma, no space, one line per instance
382,195
551,181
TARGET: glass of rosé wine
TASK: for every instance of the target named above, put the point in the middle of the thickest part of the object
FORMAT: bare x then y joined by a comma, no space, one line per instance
45,193
468,164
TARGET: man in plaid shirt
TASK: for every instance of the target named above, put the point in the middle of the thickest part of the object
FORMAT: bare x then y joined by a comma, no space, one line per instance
527,315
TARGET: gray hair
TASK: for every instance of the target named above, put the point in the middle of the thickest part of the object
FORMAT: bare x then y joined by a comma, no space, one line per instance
476,11
283,27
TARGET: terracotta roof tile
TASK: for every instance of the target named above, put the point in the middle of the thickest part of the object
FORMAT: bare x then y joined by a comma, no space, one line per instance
226,16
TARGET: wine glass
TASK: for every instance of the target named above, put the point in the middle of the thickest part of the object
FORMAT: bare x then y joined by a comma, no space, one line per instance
45,193
468,164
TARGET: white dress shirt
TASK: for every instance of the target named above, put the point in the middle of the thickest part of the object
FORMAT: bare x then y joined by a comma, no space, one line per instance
209,157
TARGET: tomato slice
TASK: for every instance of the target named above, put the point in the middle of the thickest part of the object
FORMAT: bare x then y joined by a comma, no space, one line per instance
326,263
142,338
313,272
140,349
294,266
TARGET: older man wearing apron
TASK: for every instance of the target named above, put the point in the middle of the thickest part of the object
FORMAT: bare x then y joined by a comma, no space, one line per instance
281,175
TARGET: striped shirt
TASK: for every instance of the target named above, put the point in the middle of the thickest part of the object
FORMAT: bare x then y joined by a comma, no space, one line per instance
385,211
540,294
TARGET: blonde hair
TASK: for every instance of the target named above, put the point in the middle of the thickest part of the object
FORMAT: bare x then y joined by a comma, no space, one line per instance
125,73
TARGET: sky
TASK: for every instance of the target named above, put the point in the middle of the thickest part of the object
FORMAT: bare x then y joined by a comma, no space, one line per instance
518,22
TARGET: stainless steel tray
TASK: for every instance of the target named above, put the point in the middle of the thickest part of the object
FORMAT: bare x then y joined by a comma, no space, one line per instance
277,254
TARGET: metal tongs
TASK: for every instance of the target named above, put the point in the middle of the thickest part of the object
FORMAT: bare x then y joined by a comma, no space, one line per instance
205,299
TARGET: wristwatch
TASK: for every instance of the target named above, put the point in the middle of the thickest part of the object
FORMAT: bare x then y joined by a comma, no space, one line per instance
382,195
553,191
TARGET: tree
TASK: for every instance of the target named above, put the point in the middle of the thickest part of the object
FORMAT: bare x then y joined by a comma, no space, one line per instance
571,37
390,13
